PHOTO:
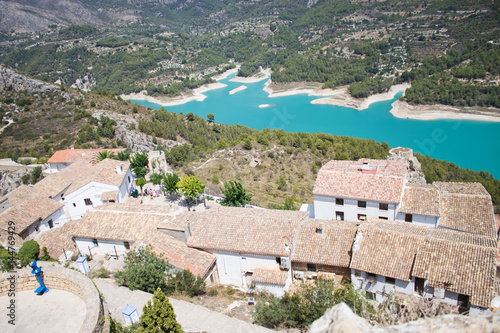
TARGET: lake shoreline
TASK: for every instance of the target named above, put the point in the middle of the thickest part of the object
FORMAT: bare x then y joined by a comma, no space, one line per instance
336,97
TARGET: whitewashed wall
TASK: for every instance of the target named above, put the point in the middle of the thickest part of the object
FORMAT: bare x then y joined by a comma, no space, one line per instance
58,219
424,220
86,246
277,290
325,208
232,266
56,167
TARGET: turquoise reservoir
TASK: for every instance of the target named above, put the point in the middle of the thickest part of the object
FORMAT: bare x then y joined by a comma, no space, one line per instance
469,144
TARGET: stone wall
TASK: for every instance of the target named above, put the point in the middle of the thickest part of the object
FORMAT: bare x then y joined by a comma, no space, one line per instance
63,279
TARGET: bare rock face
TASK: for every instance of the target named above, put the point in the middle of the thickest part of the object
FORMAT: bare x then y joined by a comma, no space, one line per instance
37,15
9,77
415,174
341,319
11,179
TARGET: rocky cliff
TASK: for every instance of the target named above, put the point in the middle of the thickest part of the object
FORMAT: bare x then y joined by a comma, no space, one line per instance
36,15
341,319
18,82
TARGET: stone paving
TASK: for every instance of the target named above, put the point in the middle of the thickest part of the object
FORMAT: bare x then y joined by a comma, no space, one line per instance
57,311
193,318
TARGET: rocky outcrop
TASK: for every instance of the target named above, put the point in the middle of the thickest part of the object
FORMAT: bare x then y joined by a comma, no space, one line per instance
11,179
85,83
415,174
341,319
36,15
18,82
127,132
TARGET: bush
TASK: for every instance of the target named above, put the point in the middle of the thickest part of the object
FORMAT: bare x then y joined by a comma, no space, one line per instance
28,252
143,271
187,283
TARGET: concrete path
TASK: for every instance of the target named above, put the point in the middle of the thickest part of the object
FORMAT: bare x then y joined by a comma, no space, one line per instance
192,317
57,311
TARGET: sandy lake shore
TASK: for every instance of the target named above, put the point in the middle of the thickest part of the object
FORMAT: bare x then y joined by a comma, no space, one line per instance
196,95
336,97
401,109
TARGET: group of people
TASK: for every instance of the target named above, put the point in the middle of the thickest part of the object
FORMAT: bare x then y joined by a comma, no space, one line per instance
152,193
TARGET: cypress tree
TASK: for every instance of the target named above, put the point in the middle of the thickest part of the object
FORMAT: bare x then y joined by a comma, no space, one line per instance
159,316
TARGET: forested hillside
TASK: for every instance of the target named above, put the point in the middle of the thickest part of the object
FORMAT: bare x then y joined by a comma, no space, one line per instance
169,47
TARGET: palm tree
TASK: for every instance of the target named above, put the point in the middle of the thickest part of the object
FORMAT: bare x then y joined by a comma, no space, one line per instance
102,155
122,156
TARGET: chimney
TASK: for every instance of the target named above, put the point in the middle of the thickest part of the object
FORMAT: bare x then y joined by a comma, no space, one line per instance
319,229
119,169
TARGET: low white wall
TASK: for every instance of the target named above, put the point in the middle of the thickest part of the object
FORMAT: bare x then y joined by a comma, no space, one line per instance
87,246
325,207
424,220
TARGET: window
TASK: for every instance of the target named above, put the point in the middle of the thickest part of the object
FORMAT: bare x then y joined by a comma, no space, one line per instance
311,267
37,229
383,218
371,295
361,217
94,242
339,202
319,230
383,206
361,204
51,224
371,277
419,286
127,245
357,273
339,216
408,218
463,303
389,280
74,204
88,202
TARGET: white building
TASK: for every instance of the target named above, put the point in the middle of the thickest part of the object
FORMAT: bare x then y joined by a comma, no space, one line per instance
456,267
114,229
82,186
63,158
24,212
354,191
252,246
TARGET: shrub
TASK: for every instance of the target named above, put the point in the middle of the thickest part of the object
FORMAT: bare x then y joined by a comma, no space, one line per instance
28,252
187,283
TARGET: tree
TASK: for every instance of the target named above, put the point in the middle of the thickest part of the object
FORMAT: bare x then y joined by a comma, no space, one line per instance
139,160
185,282
190,186
36,174
122,156
28,252
210,117
140,171
102,155
247,144
170,183
143,270
155,178
190,116
140,182
234,194
282,183
159,316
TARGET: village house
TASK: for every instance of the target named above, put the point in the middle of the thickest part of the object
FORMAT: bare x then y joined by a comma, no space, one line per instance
456,267
114,229
252,246
82,186
63,158
356,190
28,213
323,250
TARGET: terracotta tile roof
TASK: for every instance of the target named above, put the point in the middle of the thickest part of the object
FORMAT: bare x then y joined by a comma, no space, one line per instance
132,223
58,240
73,155
452,260
377,180
246,230
178,254
331,247
269,276
51,185
462,188
102,172
470,211
27,206
458,267
422,199
109,195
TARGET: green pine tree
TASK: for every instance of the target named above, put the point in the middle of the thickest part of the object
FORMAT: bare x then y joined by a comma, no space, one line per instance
159,316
